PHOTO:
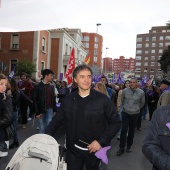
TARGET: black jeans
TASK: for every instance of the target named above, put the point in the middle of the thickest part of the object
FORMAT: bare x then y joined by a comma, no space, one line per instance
23,108
128,125
77,160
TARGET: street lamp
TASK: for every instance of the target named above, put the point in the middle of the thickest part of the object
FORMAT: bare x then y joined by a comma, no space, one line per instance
106,50
98,24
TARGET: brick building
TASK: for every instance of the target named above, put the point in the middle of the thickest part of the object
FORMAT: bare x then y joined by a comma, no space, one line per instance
93,44
48,49
149,49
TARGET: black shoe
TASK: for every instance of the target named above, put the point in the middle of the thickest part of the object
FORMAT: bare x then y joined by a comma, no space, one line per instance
120,151
128,149
14,144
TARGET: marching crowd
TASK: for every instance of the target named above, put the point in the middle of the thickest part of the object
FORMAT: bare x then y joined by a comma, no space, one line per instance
92,113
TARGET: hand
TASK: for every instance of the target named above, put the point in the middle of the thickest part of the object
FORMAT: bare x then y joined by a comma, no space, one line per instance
38,116
9,92
54,113
94,146
23,89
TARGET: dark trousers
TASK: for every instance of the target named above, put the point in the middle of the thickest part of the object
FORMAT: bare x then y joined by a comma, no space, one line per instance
139,122
128,125
151,110
23,108
77,160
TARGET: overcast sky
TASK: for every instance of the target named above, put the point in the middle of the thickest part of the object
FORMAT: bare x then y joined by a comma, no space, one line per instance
121,20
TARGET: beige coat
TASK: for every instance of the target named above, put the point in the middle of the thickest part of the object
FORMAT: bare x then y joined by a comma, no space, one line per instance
164,99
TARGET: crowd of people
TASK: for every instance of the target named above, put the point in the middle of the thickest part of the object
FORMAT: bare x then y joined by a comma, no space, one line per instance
92,113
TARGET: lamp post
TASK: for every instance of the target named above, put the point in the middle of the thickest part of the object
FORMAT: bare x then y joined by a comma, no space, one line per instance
98,24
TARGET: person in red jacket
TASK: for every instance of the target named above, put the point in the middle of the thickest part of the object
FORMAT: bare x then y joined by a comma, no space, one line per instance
26,87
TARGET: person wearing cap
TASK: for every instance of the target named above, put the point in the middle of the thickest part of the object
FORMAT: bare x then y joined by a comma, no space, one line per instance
164,99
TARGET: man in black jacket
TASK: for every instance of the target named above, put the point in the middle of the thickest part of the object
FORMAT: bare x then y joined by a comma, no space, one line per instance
91,122
156,146
44,100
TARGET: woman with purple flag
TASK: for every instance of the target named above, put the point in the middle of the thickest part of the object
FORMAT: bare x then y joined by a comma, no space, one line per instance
153,98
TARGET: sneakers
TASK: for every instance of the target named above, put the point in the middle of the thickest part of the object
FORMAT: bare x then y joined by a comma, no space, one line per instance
3,149
120,151
24,126
29,119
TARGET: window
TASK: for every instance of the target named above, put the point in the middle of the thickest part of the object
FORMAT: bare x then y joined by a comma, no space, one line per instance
147,45
13,64
152,63
167,37
161,38
146,52
43,44
159,64
153,44
152,70
152,57
138,64
95,59
15,41
168,43
163,30
86,38
138,57
145,63
138,45
147,39
139,39
160,51
66,50
95,39
153,38
159,57
154,31
95,52
152,51
160,44
95,45
42,66
139,51
138,69
146,58
86,45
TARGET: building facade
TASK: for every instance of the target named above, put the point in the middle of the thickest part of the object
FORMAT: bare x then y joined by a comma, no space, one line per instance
93,43
149,49
122,64
48,49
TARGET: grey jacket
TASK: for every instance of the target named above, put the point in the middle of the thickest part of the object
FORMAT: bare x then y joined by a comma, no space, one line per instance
133,102
156,145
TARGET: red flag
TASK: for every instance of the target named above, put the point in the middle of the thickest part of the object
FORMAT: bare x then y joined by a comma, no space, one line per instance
70,67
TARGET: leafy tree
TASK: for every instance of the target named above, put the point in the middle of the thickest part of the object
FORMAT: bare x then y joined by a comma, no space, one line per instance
168,25
25,66
165,60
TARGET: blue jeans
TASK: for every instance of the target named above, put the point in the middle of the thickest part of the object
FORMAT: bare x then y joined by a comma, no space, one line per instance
145,111
44,120
15,124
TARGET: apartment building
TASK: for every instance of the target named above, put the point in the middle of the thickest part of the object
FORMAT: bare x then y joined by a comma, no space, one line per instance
123,64
46,48
93,44
149,49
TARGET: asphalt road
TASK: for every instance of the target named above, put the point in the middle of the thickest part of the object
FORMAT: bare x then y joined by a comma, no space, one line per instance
128,161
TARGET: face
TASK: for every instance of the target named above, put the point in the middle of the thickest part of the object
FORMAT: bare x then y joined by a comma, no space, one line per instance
150,88
49,77
103,80
23,77
84,80
163,86
3,85
127,84
133,84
